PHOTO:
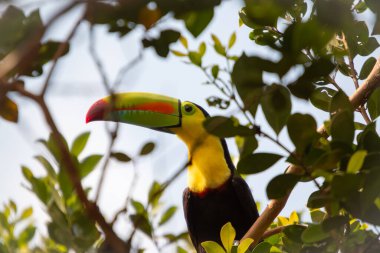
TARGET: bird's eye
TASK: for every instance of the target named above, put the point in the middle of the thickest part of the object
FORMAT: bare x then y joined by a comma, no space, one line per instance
188,108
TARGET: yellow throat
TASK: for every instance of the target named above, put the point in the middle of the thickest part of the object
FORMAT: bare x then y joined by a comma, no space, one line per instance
208,168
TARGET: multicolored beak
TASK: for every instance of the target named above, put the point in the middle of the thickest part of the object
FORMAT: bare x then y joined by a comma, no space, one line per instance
142,109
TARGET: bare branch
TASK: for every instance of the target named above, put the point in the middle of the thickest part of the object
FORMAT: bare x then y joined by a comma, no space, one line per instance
122,72
97,61
275,206
113,135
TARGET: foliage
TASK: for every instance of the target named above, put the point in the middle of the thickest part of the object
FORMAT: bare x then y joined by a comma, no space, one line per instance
321,39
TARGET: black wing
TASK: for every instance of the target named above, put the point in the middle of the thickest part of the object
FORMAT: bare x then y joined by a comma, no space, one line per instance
245,197
188,217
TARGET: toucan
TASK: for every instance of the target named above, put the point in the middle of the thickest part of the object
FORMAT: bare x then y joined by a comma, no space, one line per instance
215,195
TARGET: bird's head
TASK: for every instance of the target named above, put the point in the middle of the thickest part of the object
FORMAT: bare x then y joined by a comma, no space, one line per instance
158,112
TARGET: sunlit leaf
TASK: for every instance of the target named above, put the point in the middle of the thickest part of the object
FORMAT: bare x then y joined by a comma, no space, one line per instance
168,214
212,247
79,143
244,245
356,161
89,164
232,40
227,236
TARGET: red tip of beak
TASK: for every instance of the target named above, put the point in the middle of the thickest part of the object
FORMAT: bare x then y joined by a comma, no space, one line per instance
97,111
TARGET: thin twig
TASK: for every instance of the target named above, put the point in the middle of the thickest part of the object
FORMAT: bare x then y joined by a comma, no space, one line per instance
61,50
122,72
113,135
97,61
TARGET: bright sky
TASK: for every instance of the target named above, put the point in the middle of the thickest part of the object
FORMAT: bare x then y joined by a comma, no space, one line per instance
77,84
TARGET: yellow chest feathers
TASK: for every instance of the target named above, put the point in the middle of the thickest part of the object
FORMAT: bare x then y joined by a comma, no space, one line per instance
208,169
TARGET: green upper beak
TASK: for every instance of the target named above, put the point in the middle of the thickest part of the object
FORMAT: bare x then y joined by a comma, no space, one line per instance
137,108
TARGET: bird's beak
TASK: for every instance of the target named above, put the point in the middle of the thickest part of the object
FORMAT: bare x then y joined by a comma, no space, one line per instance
142,109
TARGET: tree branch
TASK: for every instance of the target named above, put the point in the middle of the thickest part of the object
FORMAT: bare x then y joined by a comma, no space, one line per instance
275,206
23,54
90,207
61,50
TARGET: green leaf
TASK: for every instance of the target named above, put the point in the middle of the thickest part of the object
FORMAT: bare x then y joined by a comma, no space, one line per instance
212,247
342,186
263,247
184,42
367,48
195,58
334,222
147,148
302,130
226,127
215,71
247,75
246,145
26,213
8,109
197,21
367,68
318,199
294,232
89,164
374,104
276,106
258,162
138,206
356,161
314,233
317,216
227,236
280,185
342,127
244,245
162,44
232,40
121,157
27,235
48,167
178,53
79,143
168,214
218,46
340,102
321,98
155,193
202,49
13,205
181,250
142,223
